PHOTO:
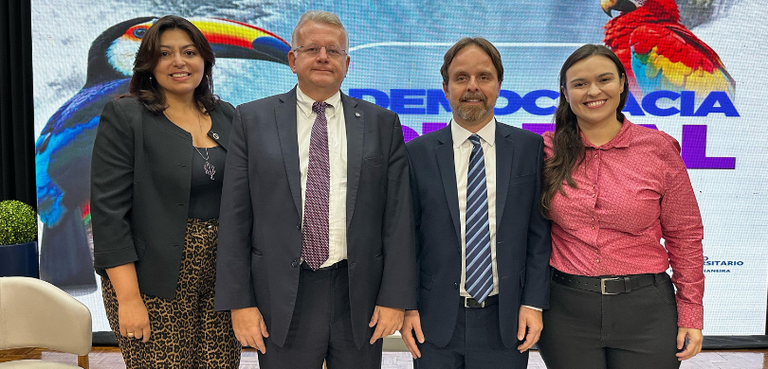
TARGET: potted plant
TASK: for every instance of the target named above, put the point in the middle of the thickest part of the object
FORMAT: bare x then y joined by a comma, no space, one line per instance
18,231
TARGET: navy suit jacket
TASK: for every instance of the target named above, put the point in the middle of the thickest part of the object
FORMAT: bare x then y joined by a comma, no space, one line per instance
523,241
259,248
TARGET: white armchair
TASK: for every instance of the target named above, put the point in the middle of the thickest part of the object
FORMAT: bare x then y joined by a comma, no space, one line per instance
34,313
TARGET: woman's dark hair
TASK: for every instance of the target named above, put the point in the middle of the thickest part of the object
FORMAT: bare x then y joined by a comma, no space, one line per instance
568,149
145,88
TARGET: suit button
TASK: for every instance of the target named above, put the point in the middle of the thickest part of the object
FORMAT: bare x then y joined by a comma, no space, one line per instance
294,263
456,286
298,226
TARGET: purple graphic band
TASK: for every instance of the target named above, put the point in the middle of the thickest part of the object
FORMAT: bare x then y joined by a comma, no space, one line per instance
693,143
695,150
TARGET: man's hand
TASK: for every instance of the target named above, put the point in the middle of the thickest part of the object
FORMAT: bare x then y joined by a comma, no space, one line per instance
531,320
134,319
412,324
250,328
695,339
387,320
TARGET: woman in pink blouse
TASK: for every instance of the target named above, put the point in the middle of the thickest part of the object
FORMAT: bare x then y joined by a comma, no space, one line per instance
613,190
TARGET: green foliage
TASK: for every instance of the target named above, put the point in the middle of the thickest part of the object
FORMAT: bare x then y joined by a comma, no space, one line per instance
18,222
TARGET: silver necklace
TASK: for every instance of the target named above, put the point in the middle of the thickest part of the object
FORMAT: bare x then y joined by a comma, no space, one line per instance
208,167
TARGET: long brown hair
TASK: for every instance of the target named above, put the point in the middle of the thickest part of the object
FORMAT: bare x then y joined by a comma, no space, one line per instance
568,149
145,88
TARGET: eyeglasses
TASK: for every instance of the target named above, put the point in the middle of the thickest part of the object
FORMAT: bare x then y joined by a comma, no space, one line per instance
332,51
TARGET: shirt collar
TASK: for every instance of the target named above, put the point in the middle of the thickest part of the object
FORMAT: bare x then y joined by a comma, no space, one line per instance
304,103
460,134
622,139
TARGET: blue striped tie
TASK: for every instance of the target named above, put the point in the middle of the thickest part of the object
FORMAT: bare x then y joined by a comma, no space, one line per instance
479,281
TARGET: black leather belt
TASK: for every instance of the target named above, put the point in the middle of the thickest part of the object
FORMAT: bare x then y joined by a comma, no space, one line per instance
341,264
606,285
471,303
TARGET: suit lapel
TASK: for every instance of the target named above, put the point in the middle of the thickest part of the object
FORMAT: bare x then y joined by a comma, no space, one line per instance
285,118
444,152
354,120
505,148
217,131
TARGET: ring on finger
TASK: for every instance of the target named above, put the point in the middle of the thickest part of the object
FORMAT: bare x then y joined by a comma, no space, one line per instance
130,335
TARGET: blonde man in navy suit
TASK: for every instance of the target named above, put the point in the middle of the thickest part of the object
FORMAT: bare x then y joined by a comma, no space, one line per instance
482,244
316,252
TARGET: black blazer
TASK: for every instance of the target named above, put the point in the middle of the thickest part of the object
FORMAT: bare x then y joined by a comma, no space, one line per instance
141,175
523,241
260,224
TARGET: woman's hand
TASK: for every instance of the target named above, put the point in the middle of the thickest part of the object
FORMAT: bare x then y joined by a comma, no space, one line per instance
134,319
693,347
131,312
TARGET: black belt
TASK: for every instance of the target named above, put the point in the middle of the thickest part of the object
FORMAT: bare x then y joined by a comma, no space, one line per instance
341,264
471,303
606,285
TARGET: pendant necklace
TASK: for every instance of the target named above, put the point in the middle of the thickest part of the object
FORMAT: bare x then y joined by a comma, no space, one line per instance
208,167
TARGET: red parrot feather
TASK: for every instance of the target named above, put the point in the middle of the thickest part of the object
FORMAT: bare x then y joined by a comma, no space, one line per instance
661,53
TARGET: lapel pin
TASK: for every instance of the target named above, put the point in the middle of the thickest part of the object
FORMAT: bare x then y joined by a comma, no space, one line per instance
357,114
215,136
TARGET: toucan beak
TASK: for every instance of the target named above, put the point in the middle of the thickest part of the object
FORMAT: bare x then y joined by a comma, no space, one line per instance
232,39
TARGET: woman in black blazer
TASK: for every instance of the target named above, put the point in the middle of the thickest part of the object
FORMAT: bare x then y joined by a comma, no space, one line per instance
156,177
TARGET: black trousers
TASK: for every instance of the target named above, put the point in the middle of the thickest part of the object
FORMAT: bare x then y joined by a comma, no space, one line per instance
476,344
585,329
321,328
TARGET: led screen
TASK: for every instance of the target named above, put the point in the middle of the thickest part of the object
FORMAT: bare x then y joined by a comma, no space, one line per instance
83,52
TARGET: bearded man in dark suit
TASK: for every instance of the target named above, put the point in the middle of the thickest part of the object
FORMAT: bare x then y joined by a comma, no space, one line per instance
482,245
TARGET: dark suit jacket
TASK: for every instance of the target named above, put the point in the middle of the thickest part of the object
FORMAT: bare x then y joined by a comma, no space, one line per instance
523,241
141,175
260,225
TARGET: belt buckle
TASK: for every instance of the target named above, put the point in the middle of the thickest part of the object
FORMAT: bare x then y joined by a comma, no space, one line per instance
475,305
602,285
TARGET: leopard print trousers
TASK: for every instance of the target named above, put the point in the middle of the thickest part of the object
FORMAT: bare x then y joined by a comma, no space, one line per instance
186,331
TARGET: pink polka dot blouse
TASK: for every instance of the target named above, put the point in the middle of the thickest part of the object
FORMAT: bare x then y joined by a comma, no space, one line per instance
632,192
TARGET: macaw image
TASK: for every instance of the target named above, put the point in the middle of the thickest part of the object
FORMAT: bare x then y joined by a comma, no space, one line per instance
659,52
63,149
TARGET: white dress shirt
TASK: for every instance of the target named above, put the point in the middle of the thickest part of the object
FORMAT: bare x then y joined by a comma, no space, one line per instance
462,149
337,156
